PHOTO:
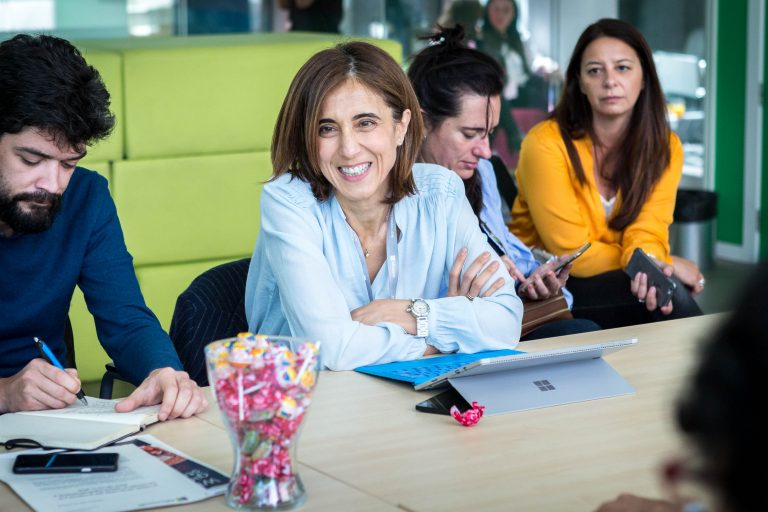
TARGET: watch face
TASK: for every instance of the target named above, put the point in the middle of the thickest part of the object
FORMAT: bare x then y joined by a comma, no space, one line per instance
420,308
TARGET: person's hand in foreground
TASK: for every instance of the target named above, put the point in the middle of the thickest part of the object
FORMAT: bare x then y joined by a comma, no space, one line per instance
38,386
178,395
632,503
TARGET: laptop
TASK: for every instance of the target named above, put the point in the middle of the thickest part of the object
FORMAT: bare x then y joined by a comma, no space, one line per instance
419,371
504,382
434,372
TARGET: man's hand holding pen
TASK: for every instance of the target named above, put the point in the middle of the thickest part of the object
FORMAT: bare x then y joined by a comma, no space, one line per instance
39,385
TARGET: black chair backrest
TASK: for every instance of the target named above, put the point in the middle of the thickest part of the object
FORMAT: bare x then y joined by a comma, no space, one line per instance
211,308
69,342
504,181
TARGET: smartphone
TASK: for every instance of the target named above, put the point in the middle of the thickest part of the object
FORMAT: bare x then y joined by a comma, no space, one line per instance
575,255
442,403
65,463
665,285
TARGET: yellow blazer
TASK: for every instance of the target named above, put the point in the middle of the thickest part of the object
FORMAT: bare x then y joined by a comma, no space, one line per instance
552,210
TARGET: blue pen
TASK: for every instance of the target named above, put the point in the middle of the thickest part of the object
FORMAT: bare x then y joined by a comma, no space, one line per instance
49,356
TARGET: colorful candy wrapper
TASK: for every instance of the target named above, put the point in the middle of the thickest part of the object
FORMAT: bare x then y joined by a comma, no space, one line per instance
263,386
470,416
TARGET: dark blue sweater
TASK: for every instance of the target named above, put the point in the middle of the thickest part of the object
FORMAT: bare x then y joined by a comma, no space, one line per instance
83,247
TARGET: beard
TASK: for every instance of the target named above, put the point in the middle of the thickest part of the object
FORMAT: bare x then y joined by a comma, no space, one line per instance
36,217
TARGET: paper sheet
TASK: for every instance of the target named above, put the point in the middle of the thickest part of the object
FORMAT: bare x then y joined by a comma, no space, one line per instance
141,481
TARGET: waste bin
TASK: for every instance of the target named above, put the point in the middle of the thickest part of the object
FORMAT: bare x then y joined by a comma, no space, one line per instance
692,235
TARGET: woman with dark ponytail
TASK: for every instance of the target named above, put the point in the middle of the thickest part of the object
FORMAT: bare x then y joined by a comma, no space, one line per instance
459,91
605,169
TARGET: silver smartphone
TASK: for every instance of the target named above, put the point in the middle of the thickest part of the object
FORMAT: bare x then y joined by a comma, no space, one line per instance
575,255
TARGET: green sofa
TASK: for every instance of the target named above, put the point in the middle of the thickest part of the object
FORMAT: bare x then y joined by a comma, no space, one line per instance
189,154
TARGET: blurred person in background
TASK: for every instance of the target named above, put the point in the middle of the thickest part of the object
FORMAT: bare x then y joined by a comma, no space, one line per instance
314,15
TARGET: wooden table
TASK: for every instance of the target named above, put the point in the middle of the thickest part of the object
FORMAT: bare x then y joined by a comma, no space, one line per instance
364,447
365,432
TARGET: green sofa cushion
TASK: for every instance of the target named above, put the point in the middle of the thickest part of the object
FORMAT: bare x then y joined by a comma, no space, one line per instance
90,357
210,94
110,66
188,209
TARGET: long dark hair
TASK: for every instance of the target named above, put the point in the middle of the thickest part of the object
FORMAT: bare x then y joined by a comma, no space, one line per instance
640,156
442,73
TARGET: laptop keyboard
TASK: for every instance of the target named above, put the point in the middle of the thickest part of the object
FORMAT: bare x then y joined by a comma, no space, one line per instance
419,371
427,372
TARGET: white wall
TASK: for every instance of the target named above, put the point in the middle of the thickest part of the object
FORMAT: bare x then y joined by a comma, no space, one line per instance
574,17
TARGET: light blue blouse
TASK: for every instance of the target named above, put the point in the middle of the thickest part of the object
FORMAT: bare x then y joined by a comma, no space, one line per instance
520,254
306,275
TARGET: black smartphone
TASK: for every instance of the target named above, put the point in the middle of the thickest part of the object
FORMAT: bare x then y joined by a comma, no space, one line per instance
65,463
575,255
665,285
442,403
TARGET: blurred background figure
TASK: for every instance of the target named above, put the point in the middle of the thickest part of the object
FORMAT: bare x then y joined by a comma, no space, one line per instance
314,15
398,19
217,16
525,87
468,14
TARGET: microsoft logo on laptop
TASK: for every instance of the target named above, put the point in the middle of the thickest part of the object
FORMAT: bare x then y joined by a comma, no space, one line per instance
544,385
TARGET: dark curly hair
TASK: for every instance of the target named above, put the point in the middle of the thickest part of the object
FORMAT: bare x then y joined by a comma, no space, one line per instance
721,409
45,83
442,73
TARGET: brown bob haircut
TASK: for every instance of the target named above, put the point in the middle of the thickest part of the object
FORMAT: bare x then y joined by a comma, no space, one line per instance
294,143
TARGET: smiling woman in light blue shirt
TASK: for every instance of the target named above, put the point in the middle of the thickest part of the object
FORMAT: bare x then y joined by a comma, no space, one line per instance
358,244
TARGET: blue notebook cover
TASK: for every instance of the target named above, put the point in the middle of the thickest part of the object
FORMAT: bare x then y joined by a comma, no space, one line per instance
421,370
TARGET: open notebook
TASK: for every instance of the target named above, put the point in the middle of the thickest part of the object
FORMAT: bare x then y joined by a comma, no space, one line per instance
77,426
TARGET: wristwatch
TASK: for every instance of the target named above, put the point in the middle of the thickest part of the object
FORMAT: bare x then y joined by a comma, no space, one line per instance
420,310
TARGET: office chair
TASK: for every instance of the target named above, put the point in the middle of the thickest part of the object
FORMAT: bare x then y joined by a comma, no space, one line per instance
211,308
504,181
111,373
69,342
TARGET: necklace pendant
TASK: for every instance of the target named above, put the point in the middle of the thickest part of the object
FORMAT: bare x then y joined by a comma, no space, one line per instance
366,252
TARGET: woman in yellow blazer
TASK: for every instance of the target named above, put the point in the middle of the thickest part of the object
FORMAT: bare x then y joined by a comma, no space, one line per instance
604,169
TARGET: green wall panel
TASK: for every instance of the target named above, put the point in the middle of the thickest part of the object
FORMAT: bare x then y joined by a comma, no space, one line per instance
190,208
730,115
